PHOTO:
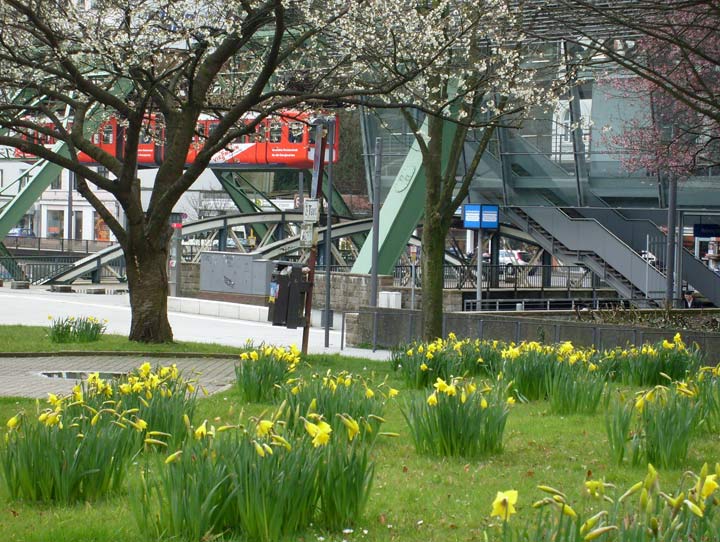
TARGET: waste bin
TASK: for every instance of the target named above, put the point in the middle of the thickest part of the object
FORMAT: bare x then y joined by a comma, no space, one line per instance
287,291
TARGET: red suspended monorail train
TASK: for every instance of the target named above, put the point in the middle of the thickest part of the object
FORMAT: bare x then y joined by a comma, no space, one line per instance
282,141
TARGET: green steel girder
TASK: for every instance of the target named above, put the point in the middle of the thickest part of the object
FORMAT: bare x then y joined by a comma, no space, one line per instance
339,207
402,210
242,201
40,175
10,264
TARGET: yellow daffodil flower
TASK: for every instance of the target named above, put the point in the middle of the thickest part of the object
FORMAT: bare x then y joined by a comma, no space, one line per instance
709,486
504,504
173,457
440,385
353,428
263,428
432,400
201,431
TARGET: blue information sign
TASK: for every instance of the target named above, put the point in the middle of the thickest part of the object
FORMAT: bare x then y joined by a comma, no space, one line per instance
489,217
471,216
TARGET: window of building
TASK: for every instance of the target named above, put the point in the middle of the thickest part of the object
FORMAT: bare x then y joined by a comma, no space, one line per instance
56,223
56,183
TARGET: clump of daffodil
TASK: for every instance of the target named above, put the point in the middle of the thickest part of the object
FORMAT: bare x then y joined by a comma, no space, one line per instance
422,362
339,396
652,364
262,369
101,436
655,426
458,418
71,329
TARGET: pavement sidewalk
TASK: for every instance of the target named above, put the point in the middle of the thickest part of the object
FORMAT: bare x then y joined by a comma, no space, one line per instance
20,376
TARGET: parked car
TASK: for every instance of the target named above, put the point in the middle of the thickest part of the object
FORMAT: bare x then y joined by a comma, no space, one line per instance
21,232
510,259
522,256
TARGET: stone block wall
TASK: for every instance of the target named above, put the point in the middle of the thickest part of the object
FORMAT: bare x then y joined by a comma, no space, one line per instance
189,279
349,291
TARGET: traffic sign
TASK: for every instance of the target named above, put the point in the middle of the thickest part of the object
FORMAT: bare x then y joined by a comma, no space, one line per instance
311,211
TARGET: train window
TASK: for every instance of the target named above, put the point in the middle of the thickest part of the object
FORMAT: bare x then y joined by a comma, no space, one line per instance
212,127
260,133
295,132
107,134
146,136
275,131
201,130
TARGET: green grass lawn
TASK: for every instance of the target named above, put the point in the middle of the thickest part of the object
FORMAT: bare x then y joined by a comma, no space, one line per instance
35,339
413,497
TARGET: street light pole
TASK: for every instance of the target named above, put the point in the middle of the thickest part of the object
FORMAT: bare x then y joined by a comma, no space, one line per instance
328,228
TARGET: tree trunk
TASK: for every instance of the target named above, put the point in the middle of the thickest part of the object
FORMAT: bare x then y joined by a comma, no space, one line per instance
148,284
433,244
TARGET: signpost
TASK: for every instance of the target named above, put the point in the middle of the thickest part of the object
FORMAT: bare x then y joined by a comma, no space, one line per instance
310,227
479,217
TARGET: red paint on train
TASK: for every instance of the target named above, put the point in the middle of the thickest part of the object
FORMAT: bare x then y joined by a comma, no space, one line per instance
286,140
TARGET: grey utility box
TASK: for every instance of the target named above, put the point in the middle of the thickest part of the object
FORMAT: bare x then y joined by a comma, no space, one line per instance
234,273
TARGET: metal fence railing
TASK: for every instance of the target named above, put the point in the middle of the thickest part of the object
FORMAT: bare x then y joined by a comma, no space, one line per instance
39,268
560,303
464,277
55,244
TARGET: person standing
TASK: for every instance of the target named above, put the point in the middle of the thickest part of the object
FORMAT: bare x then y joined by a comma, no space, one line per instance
689,301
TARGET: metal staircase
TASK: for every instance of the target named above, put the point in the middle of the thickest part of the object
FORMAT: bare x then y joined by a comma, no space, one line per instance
635,231
587,242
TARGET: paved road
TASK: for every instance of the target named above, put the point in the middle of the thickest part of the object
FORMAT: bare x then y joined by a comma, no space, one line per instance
20,376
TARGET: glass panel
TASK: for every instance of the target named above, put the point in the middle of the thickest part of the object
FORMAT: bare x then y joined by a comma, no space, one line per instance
295,132
107,134
275,131
102,232
56,224
78,227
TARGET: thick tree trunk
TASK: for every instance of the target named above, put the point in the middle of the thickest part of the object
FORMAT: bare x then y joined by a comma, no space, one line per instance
433,243
148,285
